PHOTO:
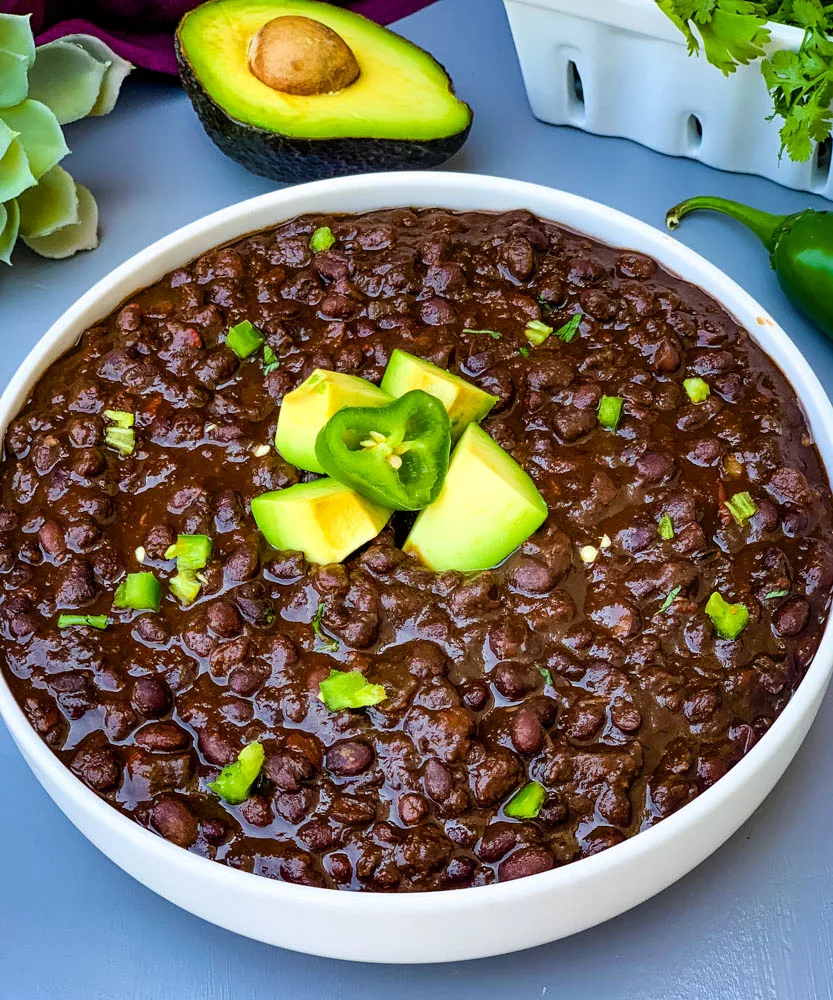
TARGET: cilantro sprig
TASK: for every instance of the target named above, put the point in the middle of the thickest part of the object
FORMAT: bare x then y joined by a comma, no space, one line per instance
735,33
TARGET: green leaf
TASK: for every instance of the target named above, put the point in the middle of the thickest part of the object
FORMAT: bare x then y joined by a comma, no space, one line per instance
15,175
9,226
733,32
66,79
808,14
82,235
16,36
39,133
732,39
14,82
116,70
669,600
328,644
50,205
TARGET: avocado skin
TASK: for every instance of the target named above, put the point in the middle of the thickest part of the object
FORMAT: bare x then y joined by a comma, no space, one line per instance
283,158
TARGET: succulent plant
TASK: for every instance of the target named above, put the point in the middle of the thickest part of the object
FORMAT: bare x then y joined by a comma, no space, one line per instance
42,89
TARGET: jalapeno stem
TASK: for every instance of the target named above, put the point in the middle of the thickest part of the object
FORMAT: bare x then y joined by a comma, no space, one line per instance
762,224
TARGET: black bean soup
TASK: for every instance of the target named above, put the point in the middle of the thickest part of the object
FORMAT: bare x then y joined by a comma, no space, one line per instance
585,662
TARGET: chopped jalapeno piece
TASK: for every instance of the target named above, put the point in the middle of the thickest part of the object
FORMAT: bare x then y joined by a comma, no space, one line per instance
120,435
328,644
610,411
537,332
94,621
140,591
349,689
235,780
742,507
244,339
488,333
322,239
729,620
524,352
270,360
122,439
185,586
666,527
395,455
121,418
527,803
669,600
566,333
190,551
697,388
776,593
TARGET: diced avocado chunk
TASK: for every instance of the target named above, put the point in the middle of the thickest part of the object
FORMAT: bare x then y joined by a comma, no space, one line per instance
305,410
487,507
466,403
324,520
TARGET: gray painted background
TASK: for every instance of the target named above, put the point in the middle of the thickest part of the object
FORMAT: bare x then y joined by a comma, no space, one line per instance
754,921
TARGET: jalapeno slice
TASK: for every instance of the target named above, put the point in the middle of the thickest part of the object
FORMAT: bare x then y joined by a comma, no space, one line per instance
395,455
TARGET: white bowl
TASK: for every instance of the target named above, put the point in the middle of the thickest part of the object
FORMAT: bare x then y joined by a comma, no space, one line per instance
464,923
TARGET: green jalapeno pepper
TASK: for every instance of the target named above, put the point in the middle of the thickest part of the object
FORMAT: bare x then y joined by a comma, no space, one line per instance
395,455
800,251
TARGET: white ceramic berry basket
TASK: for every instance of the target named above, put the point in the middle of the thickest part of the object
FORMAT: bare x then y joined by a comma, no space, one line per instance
620,67
464,923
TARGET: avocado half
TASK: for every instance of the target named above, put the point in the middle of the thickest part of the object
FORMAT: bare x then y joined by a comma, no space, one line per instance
401,112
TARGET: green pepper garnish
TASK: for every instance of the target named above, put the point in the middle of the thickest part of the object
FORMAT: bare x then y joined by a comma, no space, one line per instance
395,455
322,239
140,591
610,411
742,507
93,621
537,332
527,803
121,436
800,248
235,780
244,339
185,586
697,389
665,528
729,620
190,551
349,689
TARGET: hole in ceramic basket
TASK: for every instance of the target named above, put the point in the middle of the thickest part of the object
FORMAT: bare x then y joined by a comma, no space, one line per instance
575,92
694,134
821,164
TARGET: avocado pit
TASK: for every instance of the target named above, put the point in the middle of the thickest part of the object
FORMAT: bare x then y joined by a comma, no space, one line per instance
302,56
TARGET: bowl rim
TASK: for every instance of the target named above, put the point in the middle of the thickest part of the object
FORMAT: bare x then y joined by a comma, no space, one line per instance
392,190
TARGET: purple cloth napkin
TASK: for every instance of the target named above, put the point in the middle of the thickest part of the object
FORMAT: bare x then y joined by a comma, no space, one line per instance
142,30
